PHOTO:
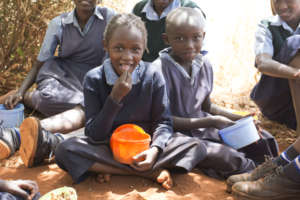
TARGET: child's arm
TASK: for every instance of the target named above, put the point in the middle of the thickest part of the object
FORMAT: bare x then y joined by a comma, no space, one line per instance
161,117
214,109
185,124
15,98
219,119
265,64
26,189
161,129
100,116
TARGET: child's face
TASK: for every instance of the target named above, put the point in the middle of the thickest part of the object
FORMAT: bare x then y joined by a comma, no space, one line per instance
125,48
186,41
85,5
288,10
160,5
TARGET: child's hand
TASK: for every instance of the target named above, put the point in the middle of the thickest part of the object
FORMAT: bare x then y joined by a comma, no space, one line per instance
122,87
220,122
145,160
12,100
24,188
297,74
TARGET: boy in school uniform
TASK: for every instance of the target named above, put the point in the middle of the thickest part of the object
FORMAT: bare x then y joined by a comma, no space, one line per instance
189,80
153,13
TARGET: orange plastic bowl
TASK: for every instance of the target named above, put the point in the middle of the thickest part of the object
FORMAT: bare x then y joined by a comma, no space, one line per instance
127,141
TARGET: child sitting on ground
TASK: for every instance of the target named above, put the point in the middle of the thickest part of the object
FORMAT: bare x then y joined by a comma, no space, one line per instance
277,178
276,43
59,78
126,90
189,80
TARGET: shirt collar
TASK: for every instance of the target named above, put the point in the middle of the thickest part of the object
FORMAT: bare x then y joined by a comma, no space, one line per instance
71,17
151,13
111,76
277,21
196,64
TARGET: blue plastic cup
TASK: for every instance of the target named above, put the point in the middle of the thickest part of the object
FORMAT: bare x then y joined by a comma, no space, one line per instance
11,118
241,134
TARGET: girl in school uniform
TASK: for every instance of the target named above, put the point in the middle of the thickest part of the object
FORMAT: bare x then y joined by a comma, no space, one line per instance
126,90
59,94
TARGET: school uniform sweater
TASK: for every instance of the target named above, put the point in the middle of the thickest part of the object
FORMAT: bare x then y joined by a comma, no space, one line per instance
271,94
187,94
145,105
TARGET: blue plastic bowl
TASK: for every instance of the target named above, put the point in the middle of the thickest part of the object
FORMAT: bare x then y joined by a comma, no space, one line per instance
11,118
240,134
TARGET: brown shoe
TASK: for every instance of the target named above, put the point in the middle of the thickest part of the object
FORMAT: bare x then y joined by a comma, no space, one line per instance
9,142
37,144
275,186
259,172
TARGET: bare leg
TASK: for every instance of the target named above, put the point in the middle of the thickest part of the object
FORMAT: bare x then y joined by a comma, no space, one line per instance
162,177
295,92
64,122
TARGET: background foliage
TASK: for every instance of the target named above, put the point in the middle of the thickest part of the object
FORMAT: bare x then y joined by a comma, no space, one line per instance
22,27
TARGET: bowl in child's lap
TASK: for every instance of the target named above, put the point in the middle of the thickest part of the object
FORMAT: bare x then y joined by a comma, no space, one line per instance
10,118
127,141
241,134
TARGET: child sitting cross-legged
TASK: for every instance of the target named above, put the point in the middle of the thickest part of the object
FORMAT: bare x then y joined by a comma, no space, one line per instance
189,80
126,90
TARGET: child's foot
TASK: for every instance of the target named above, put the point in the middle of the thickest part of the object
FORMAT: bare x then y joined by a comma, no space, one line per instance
103,178
164,178
37,144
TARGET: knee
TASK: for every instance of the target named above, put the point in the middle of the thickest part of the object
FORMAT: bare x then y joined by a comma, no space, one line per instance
200,148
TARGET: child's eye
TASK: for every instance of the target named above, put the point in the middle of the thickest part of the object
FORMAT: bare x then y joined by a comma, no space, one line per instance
118,48
197,37
136,50
179,38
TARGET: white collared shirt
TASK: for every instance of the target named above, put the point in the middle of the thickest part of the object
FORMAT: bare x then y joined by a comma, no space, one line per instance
196,64
151,14
111,76
54,32
263,37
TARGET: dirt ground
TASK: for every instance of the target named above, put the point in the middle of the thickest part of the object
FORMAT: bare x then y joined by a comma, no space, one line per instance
231,26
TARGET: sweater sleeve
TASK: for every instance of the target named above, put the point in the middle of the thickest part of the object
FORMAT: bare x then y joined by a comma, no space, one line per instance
100,114
161,116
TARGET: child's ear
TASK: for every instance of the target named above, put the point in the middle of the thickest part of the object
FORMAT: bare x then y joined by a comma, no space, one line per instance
105,45
165,38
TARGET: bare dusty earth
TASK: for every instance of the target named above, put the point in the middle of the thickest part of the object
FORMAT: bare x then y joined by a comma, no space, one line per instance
231,30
